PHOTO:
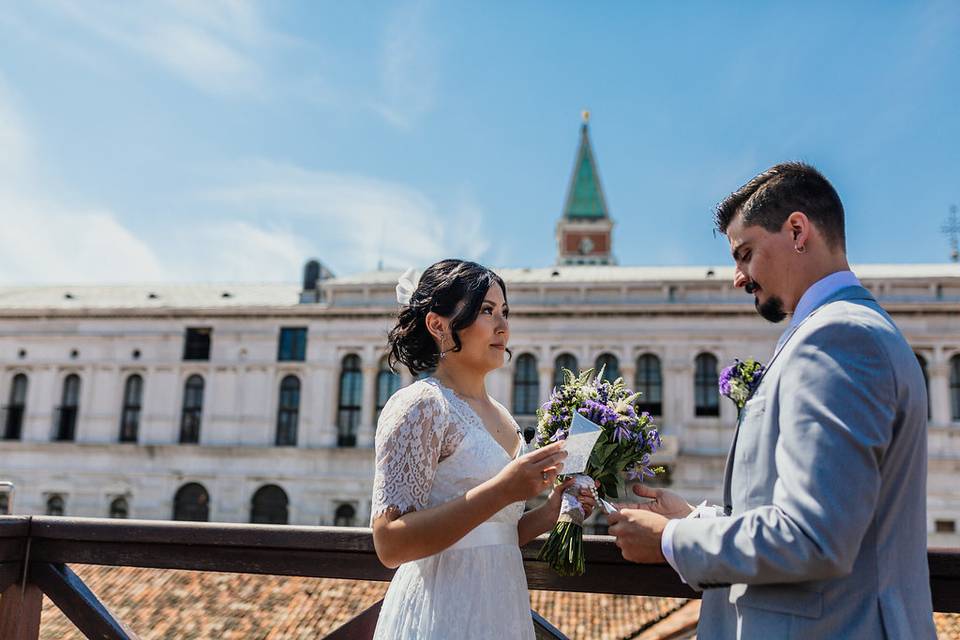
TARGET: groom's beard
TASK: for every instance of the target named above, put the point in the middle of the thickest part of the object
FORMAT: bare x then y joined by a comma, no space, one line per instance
771,310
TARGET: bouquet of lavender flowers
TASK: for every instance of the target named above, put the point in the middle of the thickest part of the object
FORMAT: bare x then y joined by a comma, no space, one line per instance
625,444
738,381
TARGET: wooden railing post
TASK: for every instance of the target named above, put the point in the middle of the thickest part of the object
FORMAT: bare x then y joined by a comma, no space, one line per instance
360,627
20,612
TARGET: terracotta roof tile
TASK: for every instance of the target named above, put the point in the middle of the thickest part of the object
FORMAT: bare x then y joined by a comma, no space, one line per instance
160,604
948,625
601,616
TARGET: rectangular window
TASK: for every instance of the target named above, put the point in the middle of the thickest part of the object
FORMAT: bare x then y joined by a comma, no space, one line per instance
196,346
945,526
293,344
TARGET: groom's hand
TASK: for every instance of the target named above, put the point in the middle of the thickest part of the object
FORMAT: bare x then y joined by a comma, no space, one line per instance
666,503
638,534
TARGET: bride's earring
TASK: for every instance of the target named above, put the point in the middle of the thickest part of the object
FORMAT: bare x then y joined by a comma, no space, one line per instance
443,354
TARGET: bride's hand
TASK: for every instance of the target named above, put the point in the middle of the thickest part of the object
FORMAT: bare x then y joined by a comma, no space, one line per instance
531,473
585,497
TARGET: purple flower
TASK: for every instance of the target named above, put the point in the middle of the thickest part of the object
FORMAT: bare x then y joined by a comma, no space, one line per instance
739,380
726,378
598,413
603,391
654,437
622,431
639,471
561,434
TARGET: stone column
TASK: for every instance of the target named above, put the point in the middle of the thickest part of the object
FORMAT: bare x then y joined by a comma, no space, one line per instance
260,392
939,390
162,404
677,393
545,373
104,404
41,398
325,389
628,371
365,432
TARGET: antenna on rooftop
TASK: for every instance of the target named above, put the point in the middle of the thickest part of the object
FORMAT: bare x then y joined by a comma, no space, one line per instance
951,229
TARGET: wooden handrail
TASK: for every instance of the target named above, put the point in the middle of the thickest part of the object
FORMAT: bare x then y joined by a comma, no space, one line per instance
322,552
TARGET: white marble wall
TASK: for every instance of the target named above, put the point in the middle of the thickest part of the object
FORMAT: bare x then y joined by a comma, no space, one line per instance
242,379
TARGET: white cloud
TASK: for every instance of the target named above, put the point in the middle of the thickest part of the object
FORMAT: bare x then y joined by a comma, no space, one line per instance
408,74
203,60
350,222
214,44
354,222
16,150
237,251
43,240
47,242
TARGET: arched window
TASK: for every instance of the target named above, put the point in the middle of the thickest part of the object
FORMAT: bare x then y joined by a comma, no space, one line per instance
610,365
69,407
388,382
351,397
288,411
344,516
649,382
132,403
926,379
55,505
119,508
955,388
706,394
526,386
564,361
192,413
13,423
269,506
191,503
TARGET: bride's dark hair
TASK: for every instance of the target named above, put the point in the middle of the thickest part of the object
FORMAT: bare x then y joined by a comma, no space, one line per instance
443,286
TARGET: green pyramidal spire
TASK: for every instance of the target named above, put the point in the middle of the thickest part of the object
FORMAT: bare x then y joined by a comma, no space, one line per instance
585,199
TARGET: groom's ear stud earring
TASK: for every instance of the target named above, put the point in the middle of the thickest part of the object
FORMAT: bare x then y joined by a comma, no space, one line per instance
800,248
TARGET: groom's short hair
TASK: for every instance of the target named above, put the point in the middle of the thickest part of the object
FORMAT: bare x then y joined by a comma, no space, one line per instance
770,198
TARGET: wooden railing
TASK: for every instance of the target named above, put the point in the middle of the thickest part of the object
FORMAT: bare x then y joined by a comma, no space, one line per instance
35,554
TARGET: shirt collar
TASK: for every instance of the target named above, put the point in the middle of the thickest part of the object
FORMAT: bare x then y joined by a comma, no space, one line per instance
819,291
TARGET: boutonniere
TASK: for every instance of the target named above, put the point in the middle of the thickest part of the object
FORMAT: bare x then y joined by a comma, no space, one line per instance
738,381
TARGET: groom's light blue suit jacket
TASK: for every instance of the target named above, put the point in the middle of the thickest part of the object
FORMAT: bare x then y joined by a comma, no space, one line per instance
826,490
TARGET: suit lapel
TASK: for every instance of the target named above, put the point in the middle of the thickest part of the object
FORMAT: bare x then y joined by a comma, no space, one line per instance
847,293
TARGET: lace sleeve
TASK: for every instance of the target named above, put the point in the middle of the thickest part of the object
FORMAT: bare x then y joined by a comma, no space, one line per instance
409,446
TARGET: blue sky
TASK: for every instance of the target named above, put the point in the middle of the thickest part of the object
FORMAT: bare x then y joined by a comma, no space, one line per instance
230,140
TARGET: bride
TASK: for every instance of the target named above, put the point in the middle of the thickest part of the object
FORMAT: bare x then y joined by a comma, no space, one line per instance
450,483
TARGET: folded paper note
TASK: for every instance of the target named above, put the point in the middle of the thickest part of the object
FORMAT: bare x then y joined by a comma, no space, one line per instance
583,435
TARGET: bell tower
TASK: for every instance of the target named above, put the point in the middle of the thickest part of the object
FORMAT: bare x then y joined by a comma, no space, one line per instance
585,231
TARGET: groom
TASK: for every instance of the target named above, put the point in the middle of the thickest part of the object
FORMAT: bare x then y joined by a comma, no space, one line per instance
822,533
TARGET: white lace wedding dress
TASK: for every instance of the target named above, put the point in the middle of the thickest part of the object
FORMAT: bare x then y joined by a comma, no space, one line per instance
431,448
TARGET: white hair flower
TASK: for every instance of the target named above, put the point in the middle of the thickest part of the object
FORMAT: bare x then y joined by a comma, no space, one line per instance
406,285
